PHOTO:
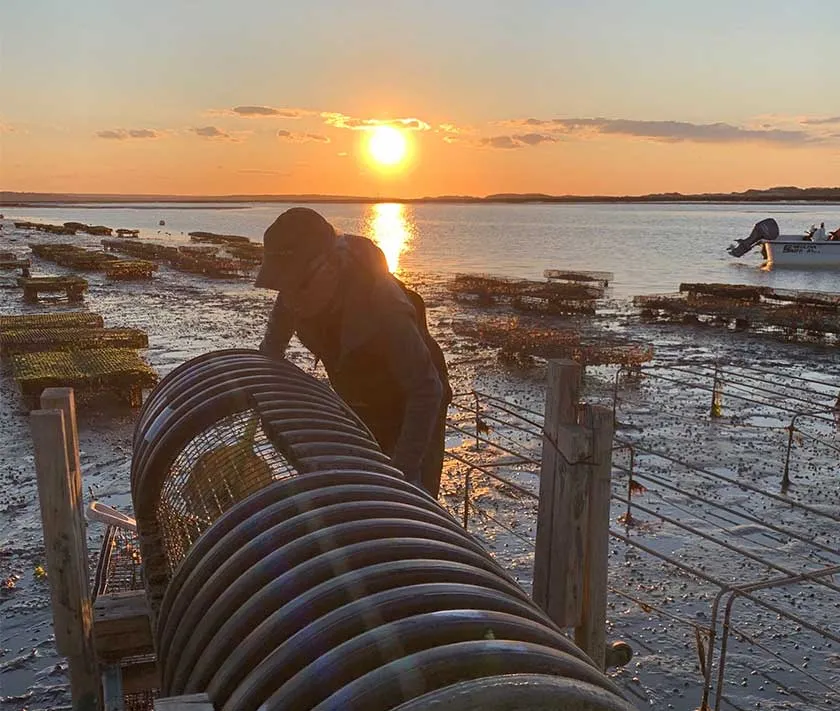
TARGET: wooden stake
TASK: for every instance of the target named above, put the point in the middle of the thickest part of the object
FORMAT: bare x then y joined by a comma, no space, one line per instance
59,492
64,399
570,564
590,633
559,552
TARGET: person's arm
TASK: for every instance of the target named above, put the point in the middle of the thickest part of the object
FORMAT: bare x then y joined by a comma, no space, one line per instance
279,330
411,365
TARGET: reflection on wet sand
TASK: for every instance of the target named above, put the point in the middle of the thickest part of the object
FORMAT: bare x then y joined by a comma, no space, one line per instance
391,227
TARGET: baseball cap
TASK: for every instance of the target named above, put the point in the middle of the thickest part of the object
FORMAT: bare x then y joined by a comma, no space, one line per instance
293,240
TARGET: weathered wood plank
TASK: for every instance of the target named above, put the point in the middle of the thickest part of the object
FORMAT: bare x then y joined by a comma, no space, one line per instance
59,487
191,702
122,626
139,677
590,634
559,547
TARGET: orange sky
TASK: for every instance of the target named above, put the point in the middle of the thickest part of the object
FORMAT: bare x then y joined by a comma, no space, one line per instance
259,98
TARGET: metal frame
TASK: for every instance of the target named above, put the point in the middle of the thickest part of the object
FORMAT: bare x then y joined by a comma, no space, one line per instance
506,436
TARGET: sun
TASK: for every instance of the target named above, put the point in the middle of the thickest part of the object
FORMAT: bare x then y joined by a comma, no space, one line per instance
387,145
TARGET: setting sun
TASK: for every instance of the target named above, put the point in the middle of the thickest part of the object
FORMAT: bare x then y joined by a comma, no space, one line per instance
387,145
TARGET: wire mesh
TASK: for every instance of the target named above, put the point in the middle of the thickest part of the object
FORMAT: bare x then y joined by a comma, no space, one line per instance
188,261
67,319
796,314
32,340
698,517
220,466
105,366
140,700
119,565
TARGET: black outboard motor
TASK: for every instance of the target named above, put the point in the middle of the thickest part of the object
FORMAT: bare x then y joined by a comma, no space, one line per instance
765,230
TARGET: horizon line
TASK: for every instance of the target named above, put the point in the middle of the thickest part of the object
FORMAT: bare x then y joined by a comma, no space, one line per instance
778,193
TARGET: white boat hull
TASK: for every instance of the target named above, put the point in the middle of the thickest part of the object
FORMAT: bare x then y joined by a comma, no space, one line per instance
802,253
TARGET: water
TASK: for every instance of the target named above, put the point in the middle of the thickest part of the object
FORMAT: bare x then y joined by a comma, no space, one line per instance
650,248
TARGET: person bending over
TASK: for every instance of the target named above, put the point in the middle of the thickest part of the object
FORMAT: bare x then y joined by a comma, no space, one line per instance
369,330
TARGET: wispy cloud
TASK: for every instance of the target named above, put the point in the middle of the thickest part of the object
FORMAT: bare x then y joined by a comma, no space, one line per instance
821,121
297,137
667,131
534,139
339,120
262,171
255,111
504,142
213,132
123,134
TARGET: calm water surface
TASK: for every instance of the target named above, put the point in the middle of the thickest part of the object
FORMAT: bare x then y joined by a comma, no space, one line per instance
650,248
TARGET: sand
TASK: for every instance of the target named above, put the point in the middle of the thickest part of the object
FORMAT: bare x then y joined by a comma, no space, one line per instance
186,316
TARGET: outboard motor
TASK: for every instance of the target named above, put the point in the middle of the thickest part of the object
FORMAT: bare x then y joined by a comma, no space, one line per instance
766,230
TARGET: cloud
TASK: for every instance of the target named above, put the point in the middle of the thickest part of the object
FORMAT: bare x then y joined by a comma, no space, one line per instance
122,134
142,133
339,120
821,121
533,139
264,111
296,137
212,132
500,142
504,142
260,171
6,128
668,131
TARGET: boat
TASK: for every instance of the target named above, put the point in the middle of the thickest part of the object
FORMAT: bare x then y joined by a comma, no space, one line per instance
815,248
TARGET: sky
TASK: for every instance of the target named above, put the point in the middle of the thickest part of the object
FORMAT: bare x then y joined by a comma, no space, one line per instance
608,97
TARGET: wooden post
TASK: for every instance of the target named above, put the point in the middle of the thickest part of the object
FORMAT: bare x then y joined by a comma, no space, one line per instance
570,564
590,633
59,492
64,399
559,553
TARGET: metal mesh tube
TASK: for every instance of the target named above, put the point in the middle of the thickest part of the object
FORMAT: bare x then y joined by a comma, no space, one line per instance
288,565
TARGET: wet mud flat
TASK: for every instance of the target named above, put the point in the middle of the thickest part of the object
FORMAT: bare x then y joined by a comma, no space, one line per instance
652,602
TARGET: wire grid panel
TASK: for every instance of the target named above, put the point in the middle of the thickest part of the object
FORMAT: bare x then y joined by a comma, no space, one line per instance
697,496
219,467
139,701
122,566
793,655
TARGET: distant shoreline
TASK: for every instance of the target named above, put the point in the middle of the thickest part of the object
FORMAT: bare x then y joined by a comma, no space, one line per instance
771,195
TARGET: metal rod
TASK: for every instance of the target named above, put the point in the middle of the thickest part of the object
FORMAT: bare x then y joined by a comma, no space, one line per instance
728,546
745,516
525,459
467,499
743,485
756,388
507,482
734,630
744,592
648,606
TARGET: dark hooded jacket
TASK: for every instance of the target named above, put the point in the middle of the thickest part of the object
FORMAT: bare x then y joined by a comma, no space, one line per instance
377,352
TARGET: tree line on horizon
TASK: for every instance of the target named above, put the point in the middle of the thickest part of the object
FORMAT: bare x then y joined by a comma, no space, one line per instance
776,194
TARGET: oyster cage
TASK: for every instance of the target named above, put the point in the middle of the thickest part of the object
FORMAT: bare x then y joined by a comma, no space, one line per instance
219,467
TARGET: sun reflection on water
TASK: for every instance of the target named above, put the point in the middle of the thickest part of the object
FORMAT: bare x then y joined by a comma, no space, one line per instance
391,227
